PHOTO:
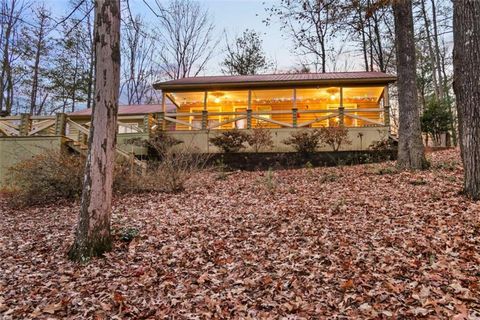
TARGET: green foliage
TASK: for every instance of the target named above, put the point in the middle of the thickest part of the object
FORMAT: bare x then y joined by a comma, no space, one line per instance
436,118
230,141
245,56
304,141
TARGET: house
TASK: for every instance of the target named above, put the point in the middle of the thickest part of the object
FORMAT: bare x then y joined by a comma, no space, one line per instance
280,102
195,109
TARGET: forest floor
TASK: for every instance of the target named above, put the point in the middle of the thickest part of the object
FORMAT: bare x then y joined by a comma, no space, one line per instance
347,242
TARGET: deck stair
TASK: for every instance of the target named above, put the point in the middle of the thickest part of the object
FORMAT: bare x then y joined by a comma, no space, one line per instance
82,149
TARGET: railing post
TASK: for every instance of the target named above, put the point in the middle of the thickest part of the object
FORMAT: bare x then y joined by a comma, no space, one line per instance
204,119
147,123
386,117
60,124
161,121
25,124
386,108
82,138
341,116
294,117
249,118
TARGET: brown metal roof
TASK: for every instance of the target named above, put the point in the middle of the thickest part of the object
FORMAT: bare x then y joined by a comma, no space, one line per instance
276,80
131,109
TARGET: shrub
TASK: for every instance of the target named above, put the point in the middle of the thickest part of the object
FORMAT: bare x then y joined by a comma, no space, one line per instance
176,167
384,145
169,169
158,143
334,137
304,141
230,141
260,139
46,178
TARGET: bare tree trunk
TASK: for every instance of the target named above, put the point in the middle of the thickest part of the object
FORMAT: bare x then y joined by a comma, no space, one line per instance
433,61
91,70
466,59
36,67
410,149
376,28
6,67
453,121
437,67
93,236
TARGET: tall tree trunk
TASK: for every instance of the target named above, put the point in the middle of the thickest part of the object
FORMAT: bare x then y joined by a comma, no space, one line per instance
453,121
381,63
6,57
93,236
438,67
466,59
91,69
34,88
410,149
433,62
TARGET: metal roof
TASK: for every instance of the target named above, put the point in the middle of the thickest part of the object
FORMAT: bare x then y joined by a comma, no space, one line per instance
277,80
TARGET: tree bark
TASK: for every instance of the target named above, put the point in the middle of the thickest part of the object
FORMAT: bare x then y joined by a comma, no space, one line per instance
410,147
433,61
438,67
36,65
93,236
466,59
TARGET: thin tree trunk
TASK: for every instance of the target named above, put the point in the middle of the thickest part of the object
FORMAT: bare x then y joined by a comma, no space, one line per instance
34,88
376,28
410,149
433,61
91,70
6,56
453,122
93,236
364,46
437,51
466,59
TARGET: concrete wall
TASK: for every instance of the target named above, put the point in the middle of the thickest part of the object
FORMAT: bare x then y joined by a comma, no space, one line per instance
16,149
361,139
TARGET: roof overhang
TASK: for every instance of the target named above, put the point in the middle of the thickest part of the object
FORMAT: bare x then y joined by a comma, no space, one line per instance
243,83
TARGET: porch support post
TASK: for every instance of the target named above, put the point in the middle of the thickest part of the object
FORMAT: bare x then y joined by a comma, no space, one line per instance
341,110
386,109
205,112
25,124
147,123
294,109
60,124
163,123
249,110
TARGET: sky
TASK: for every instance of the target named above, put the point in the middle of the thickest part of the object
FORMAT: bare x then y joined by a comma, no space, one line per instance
233,17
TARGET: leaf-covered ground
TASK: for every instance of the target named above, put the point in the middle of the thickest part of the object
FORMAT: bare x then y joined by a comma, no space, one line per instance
346,243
